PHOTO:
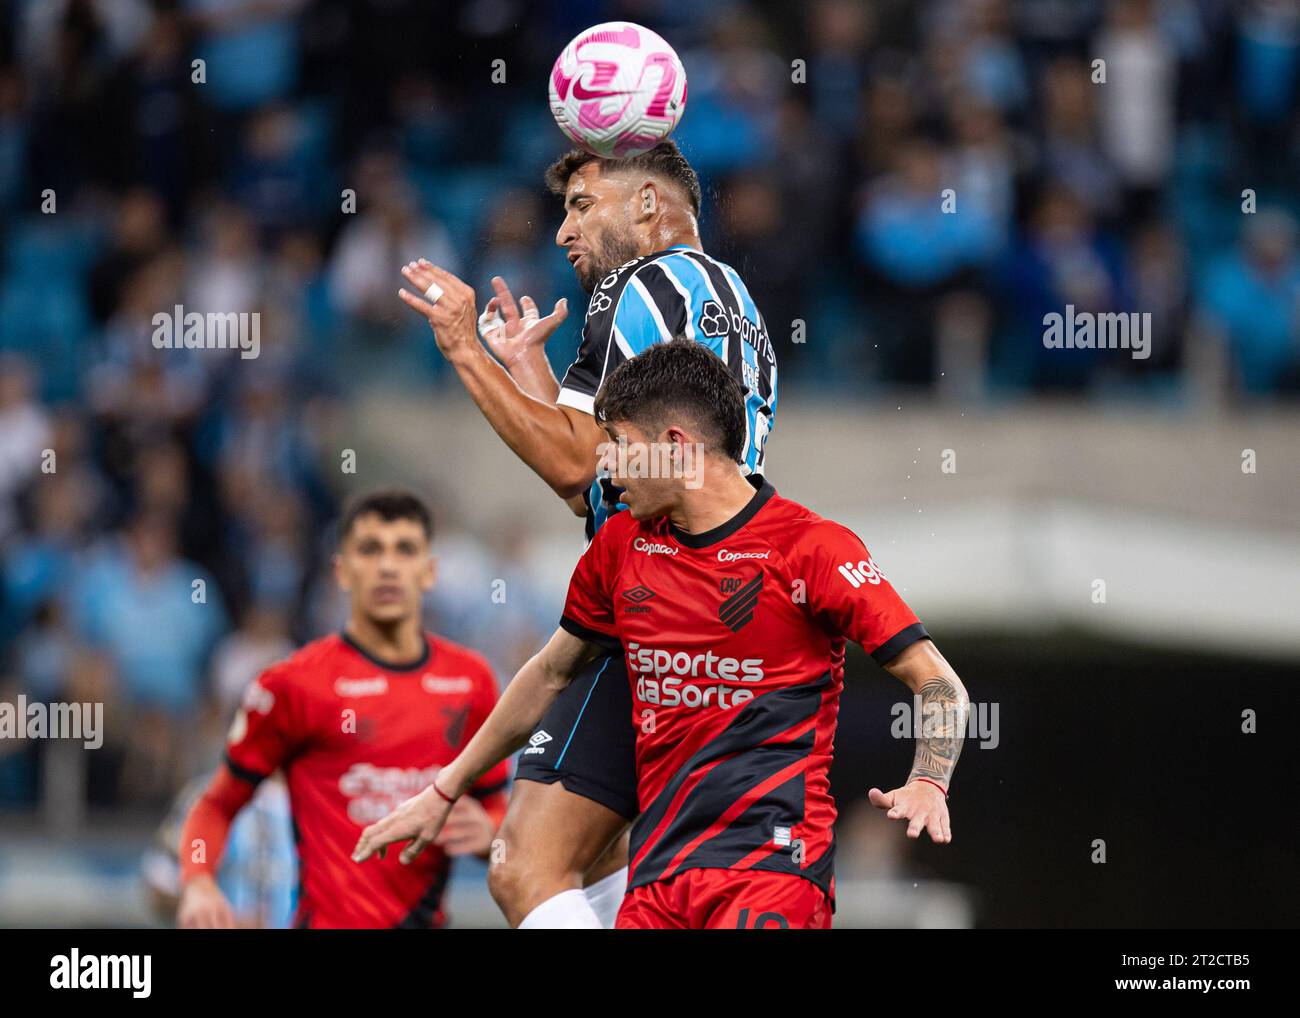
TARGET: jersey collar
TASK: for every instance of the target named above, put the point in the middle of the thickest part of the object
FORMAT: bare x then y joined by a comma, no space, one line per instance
401,666
724,530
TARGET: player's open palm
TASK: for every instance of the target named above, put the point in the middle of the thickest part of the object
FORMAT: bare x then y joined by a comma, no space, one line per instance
921,804
511,330
417,820
445,301
204,907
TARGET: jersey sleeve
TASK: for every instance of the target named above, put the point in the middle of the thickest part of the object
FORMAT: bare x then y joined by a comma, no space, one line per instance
589,605
849,594
623,319
269,726
493,782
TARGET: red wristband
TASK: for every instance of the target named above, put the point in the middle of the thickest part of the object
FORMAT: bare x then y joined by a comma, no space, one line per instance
441,793
935,783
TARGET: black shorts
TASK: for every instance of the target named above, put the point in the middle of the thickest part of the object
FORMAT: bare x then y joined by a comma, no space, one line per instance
587,739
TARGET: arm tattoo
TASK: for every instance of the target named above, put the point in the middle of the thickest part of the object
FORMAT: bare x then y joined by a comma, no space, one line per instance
944,710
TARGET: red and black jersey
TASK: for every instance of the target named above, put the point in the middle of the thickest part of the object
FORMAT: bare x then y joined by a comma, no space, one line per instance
356,737
734,641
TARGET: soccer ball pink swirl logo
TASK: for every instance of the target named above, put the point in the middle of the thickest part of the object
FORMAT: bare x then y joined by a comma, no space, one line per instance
617,89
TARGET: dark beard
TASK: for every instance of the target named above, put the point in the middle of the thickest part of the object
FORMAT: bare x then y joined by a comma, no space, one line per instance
617,246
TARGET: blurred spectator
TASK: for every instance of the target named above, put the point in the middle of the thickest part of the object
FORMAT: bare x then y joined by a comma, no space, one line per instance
156,614
762,246
161,124
1252,296
226,275
261,640
1268,64
840,31
24,434
517,247
40,565
1063,260
1159,280
1136,104
273,175
918,252
973,55
13,139
249,47
984,166
139,236
388,232
1071,150
735,83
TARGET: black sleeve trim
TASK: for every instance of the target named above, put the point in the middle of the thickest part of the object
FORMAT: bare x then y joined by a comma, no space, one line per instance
610,643
483,793
243,773
899,642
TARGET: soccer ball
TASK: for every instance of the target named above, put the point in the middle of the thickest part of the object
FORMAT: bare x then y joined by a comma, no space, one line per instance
617,89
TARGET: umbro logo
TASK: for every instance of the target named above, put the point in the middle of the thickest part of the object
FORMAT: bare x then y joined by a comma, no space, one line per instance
738,610
713,319
537,742
638,595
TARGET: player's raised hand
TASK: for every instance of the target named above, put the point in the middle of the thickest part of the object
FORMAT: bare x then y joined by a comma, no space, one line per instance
511,330
204,907
921,804
469,829
447,303
417,820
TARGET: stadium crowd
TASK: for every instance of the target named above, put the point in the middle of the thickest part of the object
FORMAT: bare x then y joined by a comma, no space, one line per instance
824,132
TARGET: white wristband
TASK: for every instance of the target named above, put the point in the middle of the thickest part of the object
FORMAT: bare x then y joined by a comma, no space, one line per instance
488,324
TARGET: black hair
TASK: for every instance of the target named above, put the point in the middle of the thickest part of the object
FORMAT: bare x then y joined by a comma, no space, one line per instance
665,160
388,504
678,377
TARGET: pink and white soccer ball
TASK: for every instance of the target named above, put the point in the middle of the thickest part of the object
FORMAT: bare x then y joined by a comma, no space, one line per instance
617,89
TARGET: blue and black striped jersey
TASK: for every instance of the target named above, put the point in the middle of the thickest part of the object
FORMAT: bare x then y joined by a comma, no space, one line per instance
676,292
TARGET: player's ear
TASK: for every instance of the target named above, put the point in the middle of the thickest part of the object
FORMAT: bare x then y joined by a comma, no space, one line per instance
676,440
430,575
340,574
648,199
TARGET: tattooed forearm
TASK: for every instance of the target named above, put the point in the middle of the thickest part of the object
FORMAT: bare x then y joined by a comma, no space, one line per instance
944,712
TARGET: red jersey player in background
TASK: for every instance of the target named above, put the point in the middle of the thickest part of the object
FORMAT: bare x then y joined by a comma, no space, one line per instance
359,722
731,608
